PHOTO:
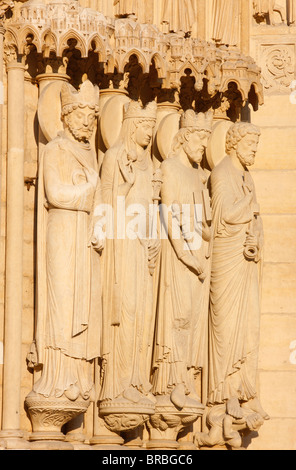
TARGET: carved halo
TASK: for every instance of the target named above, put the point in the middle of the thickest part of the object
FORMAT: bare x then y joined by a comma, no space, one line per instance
215,151
112,112
50,122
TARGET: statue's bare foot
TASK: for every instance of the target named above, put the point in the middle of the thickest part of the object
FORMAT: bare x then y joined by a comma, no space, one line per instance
255,405
132,394
178,396
233,408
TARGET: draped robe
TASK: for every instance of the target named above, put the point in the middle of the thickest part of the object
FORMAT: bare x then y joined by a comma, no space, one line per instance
226,22
127,7
234,296
68,269
182,309
179,15
127,285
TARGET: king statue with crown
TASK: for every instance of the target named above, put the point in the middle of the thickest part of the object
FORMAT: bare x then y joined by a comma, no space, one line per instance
68,269
182,309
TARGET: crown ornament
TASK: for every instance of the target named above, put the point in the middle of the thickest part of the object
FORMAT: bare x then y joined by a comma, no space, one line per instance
87,95
134,110
201,121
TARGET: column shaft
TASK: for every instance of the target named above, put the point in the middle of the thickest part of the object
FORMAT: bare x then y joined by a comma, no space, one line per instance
14,250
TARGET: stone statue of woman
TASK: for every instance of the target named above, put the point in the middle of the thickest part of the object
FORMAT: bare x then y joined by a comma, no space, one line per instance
127,187
68,267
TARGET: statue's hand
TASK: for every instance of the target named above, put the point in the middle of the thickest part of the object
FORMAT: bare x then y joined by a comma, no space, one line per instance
128,173
153,252
97,244
251,240
248,193
91,177
153,249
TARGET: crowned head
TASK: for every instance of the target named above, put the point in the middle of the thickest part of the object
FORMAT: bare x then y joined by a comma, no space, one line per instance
192,138
79,110
197,121
138,124
87,95
135,110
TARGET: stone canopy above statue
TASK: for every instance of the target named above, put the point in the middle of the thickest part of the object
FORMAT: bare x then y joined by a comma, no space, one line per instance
132,54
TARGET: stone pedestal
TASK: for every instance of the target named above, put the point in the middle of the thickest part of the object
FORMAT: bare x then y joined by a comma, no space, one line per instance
103,438
48,415
168,421
122,415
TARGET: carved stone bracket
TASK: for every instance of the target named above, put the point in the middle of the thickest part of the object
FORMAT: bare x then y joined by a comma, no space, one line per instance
123,415
167,422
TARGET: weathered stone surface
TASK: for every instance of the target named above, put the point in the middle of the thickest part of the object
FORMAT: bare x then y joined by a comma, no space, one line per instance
234,58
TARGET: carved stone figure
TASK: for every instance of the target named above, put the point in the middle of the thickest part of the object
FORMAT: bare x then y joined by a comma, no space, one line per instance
182,309
225,429
225,15
127,8
178,16
127,187
68,265
235,279
264,9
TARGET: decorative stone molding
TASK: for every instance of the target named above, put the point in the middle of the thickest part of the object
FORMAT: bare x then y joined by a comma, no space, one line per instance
64,29
278,69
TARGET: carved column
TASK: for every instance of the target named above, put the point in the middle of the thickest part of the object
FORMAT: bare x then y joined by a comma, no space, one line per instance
14,258
2,31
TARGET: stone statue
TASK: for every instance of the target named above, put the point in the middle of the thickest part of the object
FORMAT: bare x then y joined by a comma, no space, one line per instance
226,27
224,429
127,8
235,280
128,260
265,9
178,16
68,264
182,309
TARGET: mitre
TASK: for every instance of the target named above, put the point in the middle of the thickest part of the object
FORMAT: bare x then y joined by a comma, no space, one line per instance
134,110
88,95
201,121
